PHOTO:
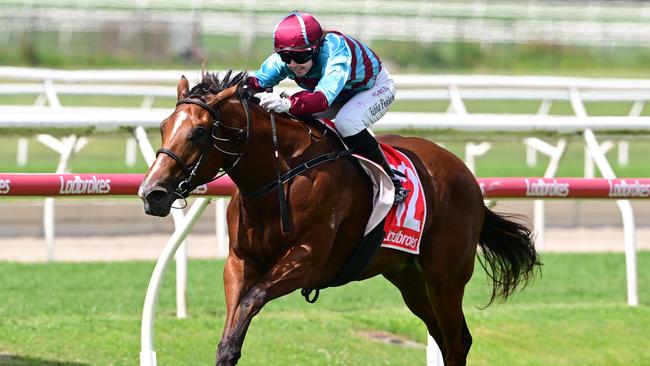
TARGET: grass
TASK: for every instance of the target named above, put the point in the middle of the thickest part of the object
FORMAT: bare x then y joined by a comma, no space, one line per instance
89,314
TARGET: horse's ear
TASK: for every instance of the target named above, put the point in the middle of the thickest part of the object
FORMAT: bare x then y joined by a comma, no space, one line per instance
183,88
223,95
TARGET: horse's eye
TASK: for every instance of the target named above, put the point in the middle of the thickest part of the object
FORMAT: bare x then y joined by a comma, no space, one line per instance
198,133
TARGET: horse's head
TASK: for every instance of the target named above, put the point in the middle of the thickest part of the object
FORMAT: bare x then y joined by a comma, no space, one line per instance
196,142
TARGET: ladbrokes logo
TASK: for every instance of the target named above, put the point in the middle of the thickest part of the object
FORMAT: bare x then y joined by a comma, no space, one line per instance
544,189
403,240
5,186
77,185
625,189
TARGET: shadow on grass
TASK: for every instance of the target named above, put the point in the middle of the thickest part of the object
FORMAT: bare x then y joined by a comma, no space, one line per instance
8,360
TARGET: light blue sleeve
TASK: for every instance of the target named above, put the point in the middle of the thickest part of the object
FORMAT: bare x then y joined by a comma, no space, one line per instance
272,71
336,67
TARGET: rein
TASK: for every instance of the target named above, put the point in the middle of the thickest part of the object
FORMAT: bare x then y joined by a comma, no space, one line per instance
285,223
297,171
185,187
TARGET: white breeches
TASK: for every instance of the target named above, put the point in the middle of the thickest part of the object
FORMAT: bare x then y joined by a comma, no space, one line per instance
363,109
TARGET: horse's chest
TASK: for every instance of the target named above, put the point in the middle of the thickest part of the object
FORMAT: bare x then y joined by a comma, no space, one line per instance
313,220
259,236
261,245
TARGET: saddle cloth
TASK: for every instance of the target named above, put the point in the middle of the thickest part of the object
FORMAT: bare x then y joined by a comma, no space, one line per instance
404,222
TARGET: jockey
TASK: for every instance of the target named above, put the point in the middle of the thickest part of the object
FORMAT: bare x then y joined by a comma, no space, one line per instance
343,80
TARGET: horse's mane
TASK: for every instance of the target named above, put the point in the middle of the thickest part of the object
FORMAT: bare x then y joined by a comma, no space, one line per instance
211,84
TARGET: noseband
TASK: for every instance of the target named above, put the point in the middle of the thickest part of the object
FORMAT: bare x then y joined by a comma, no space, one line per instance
185,187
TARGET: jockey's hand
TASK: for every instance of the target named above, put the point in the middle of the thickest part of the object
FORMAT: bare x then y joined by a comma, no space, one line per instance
273,102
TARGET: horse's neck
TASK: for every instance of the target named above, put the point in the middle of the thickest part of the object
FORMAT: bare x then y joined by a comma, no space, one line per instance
303,140
297,143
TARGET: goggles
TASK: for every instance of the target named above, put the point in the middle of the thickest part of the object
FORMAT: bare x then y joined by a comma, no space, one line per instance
298,57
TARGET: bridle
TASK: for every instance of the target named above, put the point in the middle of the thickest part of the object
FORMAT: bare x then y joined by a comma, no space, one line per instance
186,186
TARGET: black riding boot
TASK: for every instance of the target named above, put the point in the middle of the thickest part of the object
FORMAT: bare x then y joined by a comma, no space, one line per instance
365,145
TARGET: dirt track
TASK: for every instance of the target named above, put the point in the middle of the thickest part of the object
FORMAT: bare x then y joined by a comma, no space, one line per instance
97,230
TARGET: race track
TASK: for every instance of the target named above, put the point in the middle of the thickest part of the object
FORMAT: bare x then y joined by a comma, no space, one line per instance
96,230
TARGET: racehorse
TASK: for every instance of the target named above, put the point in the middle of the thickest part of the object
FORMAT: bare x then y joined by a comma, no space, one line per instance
218,126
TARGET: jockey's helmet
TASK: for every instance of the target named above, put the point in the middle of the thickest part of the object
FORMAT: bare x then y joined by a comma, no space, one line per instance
298,31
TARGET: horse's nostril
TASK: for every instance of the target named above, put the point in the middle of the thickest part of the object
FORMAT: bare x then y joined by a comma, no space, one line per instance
156,197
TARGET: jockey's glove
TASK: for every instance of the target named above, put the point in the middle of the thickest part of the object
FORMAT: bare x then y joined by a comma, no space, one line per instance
273,102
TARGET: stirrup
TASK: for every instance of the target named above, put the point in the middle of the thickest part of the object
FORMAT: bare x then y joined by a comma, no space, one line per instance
400,192
400,195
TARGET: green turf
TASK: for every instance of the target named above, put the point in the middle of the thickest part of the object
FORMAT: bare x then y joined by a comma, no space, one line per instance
89,314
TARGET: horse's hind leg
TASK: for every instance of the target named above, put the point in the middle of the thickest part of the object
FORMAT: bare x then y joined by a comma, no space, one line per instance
413,288
446,286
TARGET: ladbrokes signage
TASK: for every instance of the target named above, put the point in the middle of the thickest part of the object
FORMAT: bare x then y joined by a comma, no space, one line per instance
91,185
5,186
625,189
540,188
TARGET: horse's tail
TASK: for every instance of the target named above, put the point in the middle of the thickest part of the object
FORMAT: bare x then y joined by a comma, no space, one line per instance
509,252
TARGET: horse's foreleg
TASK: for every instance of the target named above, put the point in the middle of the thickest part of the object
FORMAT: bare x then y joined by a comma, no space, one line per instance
288,274
237,279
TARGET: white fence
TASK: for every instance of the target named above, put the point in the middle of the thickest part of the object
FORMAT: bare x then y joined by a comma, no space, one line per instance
46,86
47,111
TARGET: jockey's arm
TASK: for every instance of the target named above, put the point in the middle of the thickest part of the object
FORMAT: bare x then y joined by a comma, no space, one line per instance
254,84
305,102
335,74
269,74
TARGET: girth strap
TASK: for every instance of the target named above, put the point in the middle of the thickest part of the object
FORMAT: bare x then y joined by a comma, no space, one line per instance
355,265
298,170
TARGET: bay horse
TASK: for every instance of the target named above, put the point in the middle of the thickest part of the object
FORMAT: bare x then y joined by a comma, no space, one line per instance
218,126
